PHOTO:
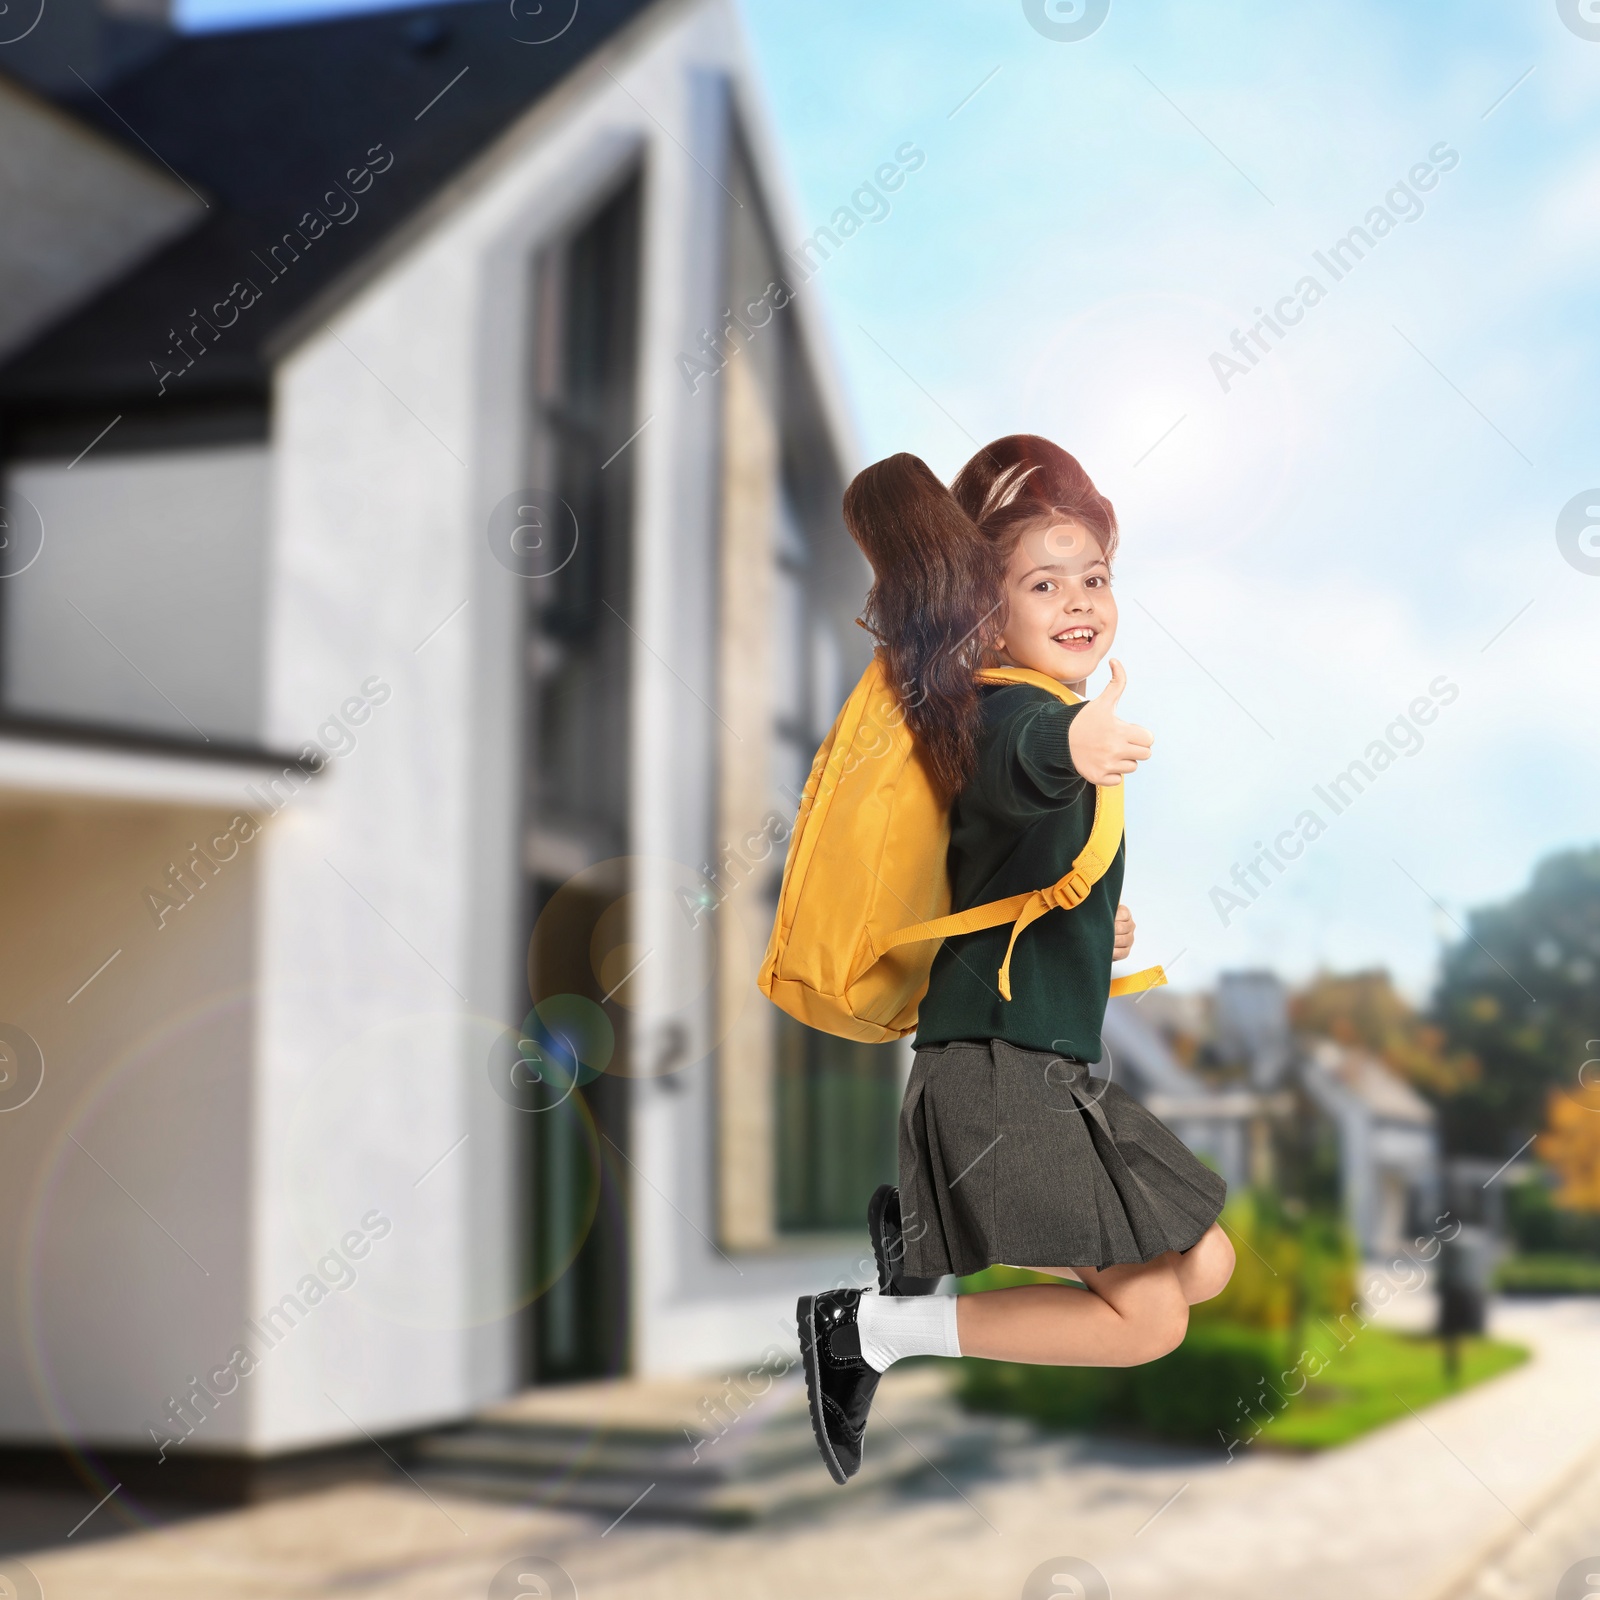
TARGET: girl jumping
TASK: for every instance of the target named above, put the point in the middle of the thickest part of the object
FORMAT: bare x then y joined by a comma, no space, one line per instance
1010,1151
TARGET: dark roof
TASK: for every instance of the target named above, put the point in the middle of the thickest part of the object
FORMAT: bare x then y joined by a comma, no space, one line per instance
264,123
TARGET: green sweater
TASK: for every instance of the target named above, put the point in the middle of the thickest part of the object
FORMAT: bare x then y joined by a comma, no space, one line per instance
1017,825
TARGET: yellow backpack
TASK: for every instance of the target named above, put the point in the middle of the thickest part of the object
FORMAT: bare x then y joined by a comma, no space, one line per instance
866,893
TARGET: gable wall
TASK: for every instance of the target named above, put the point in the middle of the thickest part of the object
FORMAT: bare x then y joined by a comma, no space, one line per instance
389,888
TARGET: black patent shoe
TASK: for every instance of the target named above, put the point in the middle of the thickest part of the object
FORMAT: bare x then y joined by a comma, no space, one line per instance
889,1245
839,1384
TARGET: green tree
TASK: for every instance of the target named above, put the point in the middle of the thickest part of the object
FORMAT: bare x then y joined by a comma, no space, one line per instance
1519,994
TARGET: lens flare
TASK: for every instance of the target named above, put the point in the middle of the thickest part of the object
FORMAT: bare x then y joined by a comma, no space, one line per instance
647,937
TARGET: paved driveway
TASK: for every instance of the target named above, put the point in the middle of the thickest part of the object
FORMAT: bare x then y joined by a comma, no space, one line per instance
1490,1496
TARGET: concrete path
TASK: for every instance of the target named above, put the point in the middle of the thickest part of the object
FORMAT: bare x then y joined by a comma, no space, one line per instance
1563,1544
1490,1496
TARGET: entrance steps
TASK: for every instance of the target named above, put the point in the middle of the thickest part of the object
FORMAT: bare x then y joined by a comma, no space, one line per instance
697,1450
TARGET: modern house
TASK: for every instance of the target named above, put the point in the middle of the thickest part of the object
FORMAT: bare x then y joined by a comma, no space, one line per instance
423,588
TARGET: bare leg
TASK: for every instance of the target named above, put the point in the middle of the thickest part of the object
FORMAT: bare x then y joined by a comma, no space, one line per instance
1131,1314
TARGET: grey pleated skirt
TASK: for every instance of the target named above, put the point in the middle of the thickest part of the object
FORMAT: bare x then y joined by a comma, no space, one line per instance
1019,1156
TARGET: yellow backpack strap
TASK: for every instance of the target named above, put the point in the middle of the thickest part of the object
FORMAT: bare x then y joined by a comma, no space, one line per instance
1071,889
1137,982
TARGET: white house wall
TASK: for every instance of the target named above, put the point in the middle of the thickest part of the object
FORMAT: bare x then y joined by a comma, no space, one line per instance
389,914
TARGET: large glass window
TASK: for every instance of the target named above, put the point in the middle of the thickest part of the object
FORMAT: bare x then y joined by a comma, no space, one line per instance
141,610
838,1112
576,769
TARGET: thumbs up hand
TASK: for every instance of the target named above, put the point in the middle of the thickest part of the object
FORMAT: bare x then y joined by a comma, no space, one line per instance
1103,746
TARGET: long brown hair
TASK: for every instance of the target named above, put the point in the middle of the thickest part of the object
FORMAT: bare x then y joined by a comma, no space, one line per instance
938,564
935,587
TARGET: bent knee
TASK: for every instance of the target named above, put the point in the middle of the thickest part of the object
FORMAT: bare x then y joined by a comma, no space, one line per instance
1212,1283
1213,1265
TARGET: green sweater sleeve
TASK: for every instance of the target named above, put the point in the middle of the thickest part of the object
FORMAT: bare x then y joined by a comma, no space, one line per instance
1028,769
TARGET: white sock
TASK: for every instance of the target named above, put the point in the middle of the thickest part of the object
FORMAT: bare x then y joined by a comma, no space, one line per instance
895,1326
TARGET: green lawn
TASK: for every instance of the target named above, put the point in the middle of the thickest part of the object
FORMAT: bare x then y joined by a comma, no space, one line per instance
1374,1380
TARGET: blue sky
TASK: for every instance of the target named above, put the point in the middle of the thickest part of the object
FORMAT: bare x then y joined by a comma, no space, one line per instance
1368,510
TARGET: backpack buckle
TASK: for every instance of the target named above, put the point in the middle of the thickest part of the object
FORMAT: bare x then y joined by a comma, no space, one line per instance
1075,885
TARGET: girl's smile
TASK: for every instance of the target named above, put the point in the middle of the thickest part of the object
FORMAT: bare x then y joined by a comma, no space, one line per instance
1078,638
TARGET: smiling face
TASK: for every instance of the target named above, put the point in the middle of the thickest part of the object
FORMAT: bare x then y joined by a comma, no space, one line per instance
1061,618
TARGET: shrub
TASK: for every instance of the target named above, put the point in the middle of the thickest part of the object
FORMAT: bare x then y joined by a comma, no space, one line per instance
1054,1397
1549,1274
1207,1383
1541,1227
1288,1267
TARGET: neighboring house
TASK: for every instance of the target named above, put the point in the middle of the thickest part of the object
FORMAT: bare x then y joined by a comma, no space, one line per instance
437,468
1248,1123
1388,1143
1214,1123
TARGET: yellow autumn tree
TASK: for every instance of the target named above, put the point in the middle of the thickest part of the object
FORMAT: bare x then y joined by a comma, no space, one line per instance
1571,1146
1365,1010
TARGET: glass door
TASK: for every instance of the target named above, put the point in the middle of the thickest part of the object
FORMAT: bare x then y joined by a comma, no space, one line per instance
576,783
